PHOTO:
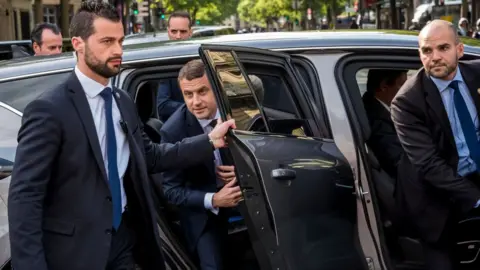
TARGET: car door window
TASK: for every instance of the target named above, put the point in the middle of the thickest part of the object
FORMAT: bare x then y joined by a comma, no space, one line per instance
362,78
270,107
18,93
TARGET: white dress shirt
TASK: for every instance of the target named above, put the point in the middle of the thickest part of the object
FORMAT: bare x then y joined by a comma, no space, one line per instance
208,200
92,91
384,104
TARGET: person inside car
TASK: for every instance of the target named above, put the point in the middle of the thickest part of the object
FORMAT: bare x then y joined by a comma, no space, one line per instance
256,123
46,39
204,193
169,97
382,86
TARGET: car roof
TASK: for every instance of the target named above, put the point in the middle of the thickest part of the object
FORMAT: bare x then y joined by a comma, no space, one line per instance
266,40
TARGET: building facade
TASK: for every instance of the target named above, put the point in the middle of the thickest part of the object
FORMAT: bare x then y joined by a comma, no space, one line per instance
17,17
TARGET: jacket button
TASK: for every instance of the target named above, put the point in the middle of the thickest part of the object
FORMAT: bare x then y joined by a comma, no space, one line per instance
108,198
108,231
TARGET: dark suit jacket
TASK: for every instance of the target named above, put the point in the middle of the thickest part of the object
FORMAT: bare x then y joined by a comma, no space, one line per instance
169,98
431,189
187,188
60,211
383,138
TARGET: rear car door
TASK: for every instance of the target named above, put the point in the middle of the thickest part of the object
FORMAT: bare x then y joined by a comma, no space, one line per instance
299,205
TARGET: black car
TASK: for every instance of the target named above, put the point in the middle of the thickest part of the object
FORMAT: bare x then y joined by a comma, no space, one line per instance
315,196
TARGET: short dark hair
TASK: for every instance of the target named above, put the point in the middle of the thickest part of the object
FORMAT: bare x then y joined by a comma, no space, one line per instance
377,76
82,22
180,14
37,32
192,70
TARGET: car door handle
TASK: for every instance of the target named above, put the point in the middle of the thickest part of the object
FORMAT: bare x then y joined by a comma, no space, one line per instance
283,174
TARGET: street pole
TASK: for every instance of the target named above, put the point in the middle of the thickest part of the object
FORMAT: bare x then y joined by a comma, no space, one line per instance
148,27
38,11
65,17
474,13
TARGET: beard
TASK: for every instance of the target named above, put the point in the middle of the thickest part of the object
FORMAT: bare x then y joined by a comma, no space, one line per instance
99,67
441,70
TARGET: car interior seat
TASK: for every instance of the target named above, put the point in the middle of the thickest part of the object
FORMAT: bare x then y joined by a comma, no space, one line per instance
146,101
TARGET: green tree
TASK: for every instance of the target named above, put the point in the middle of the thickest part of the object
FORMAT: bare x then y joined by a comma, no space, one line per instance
205,11
266,11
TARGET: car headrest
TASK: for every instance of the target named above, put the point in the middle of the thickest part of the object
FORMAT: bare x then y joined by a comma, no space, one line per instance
152,129
146,100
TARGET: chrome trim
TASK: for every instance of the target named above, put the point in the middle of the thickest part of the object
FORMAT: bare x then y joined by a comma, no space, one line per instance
33,75
10,108
160,58
196,55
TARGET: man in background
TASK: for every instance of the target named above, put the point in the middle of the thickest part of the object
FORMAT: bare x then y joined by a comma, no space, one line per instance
169,97
46,39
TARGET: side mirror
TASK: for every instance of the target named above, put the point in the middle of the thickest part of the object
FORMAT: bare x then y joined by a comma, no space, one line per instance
5,171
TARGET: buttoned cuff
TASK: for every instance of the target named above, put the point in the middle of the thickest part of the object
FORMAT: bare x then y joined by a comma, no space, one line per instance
208,203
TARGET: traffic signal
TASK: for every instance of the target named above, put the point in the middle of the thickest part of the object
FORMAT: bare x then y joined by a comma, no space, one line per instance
161,13
296,22
197,22
135,8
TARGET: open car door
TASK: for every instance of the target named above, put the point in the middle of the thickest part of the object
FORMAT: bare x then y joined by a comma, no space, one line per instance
299,203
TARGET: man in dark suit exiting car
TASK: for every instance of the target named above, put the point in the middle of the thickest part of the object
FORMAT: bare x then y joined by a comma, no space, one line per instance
203,192
436,117
80,195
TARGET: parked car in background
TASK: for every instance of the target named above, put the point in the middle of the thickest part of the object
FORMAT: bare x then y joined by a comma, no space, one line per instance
204,31
315,195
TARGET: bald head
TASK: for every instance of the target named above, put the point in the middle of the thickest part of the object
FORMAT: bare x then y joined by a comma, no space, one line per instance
437,26
440,49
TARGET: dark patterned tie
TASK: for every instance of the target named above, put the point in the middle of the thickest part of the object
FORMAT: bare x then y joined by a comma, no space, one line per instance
113,177
467,124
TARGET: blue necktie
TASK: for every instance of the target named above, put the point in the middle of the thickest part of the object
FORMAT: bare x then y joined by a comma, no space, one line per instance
467,124
113,177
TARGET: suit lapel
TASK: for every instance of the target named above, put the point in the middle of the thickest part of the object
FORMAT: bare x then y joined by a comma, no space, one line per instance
435,102
472,85
128,125
83,109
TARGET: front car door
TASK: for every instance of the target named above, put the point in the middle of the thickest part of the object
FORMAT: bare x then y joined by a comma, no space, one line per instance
299,205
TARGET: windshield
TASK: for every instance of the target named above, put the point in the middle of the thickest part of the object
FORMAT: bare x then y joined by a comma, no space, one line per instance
8,134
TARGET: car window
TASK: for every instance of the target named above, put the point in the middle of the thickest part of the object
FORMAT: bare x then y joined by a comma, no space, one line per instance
362,76
8,135
268,105
19,93
275,93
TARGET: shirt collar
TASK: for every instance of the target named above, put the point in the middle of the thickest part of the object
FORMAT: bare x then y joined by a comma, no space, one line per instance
205,122
91,87
383,104
442,85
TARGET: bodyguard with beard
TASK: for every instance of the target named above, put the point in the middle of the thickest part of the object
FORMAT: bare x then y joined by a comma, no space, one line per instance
435,114
80,196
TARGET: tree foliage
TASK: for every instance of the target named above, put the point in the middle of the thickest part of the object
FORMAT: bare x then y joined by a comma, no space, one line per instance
205,11
266,10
